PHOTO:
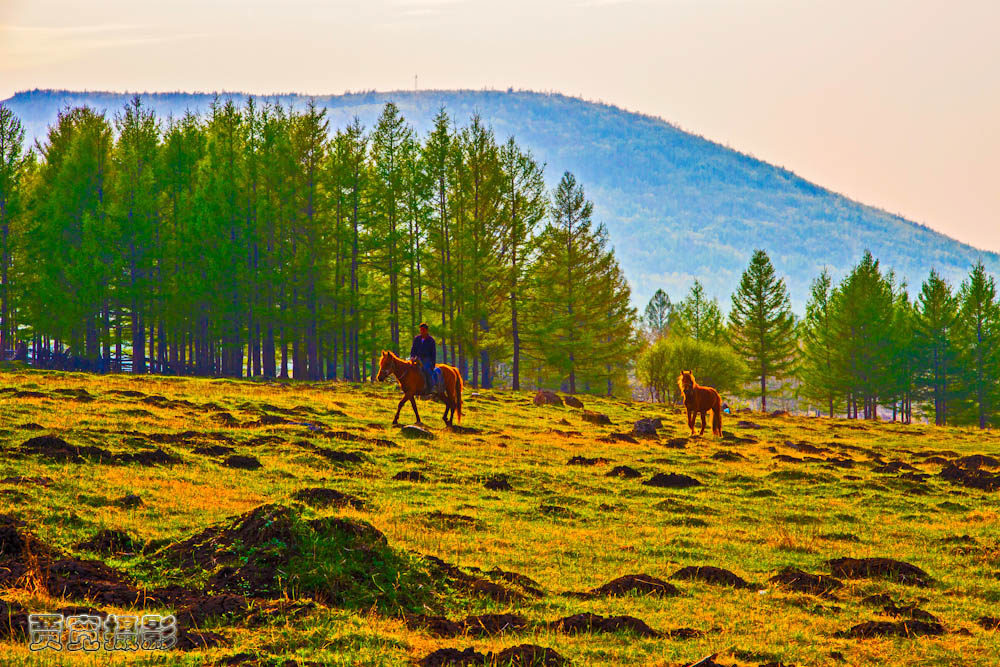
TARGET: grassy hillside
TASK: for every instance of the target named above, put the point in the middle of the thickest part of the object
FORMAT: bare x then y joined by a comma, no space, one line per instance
677,206
417,545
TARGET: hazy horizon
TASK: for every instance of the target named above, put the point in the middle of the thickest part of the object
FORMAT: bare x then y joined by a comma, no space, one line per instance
895,105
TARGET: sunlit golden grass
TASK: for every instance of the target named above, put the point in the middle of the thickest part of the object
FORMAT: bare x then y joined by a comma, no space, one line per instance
569,527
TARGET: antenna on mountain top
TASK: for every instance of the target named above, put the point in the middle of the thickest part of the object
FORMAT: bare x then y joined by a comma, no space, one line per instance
414,83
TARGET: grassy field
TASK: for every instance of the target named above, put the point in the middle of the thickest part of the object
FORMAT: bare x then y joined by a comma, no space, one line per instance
306,579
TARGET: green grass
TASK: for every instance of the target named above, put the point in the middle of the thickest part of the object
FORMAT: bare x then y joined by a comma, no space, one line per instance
570,528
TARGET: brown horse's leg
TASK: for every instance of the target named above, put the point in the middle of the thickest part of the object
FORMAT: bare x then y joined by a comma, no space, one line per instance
691,416
702,432
413,402
399,407
448,405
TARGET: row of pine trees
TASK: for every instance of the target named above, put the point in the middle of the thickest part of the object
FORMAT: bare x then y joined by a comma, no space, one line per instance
258,241
865,348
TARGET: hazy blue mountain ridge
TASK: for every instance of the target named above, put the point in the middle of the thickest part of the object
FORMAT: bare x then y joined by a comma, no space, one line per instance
677,206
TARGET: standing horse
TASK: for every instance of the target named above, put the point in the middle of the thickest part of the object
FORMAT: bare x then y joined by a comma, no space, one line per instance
411,381
700,399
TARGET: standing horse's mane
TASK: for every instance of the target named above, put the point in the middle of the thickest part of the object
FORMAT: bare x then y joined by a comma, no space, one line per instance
680,380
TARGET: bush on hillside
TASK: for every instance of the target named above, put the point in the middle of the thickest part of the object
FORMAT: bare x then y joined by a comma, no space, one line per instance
713,365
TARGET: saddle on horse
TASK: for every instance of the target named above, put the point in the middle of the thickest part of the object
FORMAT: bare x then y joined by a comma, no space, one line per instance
432,381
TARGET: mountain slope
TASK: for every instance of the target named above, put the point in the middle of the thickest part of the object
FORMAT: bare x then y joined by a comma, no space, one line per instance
677,206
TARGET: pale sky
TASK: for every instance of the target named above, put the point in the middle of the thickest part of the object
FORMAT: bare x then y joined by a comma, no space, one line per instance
893,103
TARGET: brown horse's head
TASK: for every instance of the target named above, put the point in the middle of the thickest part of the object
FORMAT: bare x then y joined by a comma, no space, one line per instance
685,380
384,366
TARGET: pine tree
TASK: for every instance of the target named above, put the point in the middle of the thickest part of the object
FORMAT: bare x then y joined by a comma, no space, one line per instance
524,204
818,372
978,336
135,205
863,310
699,317
762,325
13,162
937,309
580,320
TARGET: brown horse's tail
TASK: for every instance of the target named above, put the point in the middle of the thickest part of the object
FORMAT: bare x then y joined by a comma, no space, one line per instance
458,396
717,416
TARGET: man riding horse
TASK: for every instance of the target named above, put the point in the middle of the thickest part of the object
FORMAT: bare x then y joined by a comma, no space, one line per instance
424,350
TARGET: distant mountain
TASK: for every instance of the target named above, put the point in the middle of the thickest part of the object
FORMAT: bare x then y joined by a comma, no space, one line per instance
677,206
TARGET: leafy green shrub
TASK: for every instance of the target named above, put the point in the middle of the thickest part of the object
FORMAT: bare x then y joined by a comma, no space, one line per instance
713,365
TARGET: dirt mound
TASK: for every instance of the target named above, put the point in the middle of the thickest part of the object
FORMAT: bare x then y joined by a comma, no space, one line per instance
805,447
572,401
109,541
624,471
639,584
473,584
272,550
595,418
747,424
988,622
55,448
127,393
547,398
214,450
24,558
337,456
436,625
728,456
528,655
148,458
893,466
27,481
899,609
210,607
497,483
971,478
911,628
977,461
585,461
525,582
409,476
588,622
198,640
672,481
884,568
241,462
323,497
31,426
129,501
676,443
452,656
463,430
711,575
804,582
618,437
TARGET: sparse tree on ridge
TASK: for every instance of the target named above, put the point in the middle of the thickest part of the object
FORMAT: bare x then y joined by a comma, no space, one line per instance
659,315
761,323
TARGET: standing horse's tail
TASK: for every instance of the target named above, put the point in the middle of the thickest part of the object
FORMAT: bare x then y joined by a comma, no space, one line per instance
458,396
717,417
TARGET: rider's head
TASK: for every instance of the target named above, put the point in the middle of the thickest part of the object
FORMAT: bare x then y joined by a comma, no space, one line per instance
424,329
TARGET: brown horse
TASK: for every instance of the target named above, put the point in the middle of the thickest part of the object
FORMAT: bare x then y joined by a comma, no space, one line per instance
411,381
700,399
